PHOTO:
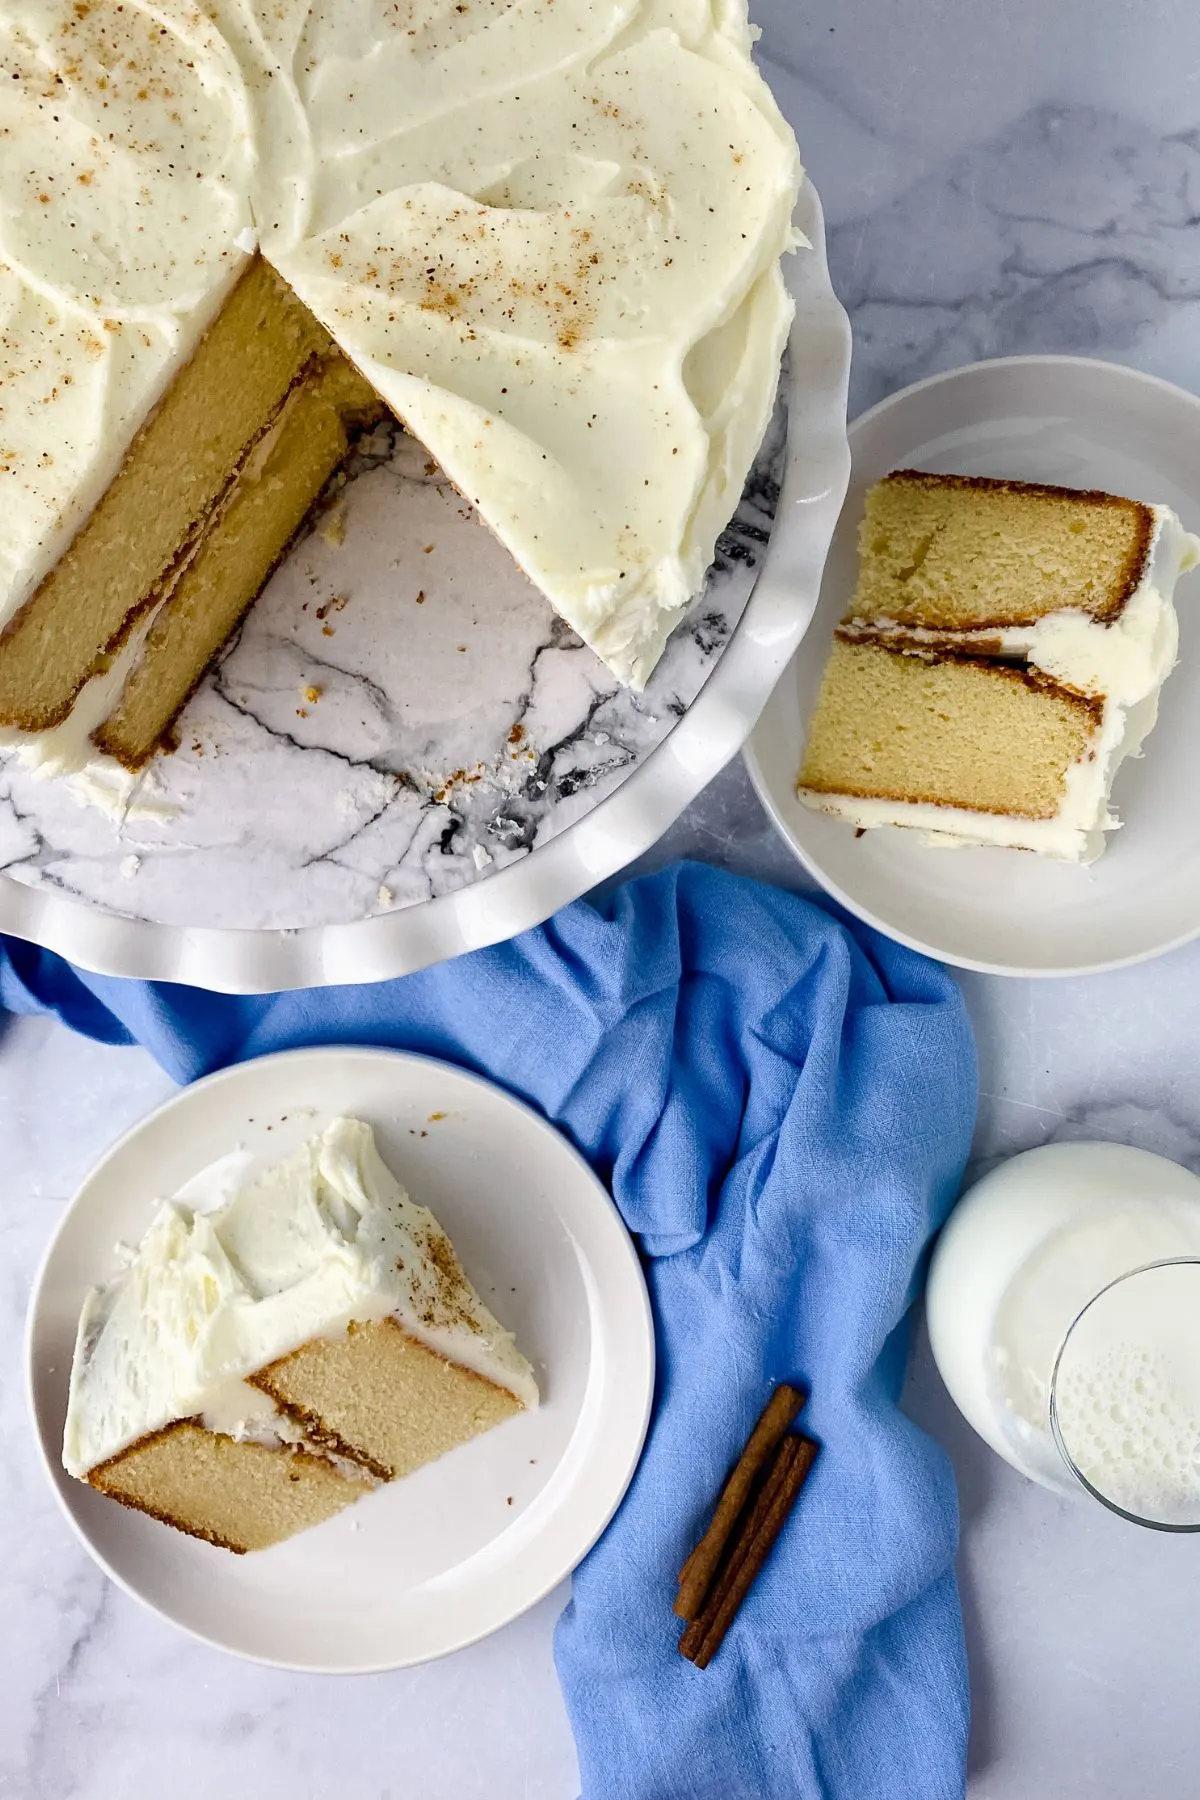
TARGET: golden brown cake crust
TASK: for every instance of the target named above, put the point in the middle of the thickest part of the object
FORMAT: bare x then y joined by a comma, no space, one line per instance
289,1487
1143,515
382,1397
957,732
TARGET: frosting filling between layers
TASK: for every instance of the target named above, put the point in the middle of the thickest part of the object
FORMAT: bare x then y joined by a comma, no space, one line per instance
326,1238
1125,662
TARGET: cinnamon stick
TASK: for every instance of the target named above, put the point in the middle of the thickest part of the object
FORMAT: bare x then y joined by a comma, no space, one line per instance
693,1635
696,1575
705,1635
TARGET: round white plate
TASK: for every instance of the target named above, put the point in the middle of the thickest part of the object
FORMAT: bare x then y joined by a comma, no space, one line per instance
429,1564
300,824
1081,424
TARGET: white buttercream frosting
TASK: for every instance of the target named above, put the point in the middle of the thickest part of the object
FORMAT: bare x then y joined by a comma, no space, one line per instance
126,164
549,232
325,1238
1125,662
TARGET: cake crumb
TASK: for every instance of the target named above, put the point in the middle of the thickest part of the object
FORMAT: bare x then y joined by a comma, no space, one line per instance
333,528
312,694
385,895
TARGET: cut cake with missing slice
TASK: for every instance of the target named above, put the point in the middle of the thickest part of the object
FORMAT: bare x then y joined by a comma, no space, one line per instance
262,1365
592,365
1002,654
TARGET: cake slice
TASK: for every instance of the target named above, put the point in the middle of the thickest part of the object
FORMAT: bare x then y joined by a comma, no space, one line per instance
261,1365
1002,655
962,746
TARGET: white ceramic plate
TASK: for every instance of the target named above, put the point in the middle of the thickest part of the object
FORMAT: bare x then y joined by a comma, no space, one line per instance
432,1563
1039,418
102,933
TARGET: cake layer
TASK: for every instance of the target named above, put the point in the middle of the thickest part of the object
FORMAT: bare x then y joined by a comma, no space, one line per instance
379,1396
1123,660
951,553
245,538
175,473
944,732
238,1495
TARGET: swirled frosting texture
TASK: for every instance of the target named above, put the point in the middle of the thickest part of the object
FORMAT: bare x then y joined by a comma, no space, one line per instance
548,231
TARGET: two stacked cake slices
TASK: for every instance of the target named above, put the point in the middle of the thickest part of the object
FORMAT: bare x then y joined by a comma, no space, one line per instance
1003,653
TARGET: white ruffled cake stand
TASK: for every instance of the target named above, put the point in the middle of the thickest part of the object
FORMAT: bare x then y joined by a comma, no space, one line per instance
405,754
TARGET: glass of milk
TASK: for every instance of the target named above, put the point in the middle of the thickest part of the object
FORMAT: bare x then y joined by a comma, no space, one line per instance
1064,1316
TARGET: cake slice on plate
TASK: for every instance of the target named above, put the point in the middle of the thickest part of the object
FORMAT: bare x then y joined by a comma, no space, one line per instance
259,1366
1002,655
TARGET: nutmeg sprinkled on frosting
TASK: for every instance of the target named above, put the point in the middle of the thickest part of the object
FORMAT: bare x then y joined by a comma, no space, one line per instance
548,231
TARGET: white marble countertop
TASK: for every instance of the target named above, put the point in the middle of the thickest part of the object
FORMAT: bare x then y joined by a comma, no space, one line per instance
997,179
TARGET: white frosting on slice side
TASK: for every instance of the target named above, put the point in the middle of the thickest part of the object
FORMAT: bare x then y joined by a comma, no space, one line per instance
325,1238
1126,662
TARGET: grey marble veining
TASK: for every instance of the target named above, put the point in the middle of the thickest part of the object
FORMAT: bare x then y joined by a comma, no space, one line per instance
1074,229
400,715
998,178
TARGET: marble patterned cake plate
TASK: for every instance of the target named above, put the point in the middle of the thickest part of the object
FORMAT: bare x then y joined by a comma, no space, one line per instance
1079,423
432,1563
405,754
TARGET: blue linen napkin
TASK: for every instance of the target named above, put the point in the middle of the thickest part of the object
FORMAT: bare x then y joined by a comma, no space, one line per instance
782,1106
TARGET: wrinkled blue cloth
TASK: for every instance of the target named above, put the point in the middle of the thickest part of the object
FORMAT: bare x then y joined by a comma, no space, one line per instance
782,1107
